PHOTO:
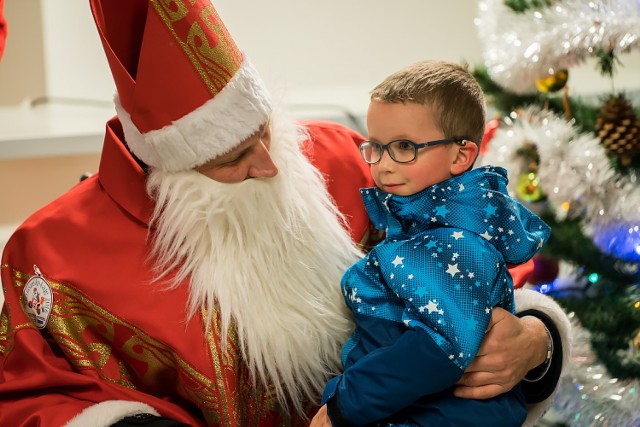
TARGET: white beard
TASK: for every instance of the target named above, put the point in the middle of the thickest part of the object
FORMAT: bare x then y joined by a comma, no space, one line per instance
268,256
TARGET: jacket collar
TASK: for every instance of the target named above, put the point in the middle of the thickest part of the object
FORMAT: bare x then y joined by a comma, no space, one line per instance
122,177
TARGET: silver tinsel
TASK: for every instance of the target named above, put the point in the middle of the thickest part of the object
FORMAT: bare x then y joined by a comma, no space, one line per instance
588,396
520,48
574,170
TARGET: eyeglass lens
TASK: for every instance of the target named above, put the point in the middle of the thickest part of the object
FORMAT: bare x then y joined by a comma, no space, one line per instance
400,151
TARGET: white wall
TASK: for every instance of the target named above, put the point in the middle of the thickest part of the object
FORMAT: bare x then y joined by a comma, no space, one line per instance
331,51
307,51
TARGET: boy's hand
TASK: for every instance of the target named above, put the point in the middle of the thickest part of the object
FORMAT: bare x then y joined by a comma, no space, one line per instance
511,347
321,419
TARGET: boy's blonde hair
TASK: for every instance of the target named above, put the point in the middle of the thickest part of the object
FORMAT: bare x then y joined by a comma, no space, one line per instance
448,89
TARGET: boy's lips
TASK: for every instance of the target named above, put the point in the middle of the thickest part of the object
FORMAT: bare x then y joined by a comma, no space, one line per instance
391,185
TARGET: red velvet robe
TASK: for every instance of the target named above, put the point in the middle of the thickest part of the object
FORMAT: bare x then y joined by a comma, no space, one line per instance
114,336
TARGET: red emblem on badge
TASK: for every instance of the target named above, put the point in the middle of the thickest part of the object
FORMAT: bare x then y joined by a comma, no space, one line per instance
38,299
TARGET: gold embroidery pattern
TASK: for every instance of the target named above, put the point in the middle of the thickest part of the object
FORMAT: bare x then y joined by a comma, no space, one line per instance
213,53
6,330
92,338
248,403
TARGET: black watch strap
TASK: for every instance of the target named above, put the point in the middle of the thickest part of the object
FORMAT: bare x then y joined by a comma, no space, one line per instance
147,420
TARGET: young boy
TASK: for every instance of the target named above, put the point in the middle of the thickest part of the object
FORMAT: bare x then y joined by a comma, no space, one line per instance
424,296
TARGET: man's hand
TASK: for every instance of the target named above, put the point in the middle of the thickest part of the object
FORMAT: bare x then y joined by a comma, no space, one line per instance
321,419
511,347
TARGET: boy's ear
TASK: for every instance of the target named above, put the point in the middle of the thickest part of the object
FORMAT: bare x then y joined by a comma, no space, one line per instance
467,153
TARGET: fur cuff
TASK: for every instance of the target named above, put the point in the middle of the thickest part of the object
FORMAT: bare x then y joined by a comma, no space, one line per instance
109,412
527,299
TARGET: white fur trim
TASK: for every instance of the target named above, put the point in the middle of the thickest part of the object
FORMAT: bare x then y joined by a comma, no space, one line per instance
209,131
109,412
527,299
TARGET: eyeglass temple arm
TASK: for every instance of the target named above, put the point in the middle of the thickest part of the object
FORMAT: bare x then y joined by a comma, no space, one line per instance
460,141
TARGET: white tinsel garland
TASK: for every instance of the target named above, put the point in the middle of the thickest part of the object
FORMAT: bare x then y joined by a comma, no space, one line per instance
574,171
520,48
588,395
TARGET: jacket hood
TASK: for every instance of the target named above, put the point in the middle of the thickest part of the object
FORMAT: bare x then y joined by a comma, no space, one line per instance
476,201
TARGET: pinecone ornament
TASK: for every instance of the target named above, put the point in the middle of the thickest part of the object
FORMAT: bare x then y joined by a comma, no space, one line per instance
618,129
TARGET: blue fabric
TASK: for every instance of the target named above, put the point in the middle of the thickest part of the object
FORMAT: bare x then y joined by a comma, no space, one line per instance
423,298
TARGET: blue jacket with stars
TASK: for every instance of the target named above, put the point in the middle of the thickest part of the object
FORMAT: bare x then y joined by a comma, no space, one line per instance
422,300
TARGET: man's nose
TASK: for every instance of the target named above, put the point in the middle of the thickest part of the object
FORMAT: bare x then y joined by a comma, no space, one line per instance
262,165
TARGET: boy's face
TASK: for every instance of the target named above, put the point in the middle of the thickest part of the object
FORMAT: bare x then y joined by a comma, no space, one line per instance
387,122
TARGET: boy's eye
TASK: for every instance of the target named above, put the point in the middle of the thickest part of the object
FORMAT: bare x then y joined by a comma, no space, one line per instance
405,145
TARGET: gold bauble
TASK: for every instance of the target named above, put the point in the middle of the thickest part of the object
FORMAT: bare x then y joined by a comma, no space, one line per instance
528,188
553,82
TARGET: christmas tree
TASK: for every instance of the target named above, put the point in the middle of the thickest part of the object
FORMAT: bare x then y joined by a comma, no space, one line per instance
575,162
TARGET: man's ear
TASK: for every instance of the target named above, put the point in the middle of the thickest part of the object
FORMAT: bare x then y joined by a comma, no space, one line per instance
467,153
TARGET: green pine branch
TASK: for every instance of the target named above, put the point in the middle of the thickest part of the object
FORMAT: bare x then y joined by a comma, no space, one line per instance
568,243
521,6
612,321
506,101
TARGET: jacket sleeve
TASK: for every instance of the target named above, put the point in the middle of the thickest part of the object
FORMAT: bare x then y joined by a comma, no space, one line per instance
39,386
447,312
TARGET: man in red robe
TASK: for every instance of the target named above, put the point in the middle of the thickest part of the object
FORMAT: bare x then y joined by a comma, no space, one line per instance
195,278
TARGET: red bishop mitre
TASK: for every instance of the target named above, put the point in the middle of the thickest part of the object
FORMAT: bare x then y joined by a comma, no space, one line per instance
185,92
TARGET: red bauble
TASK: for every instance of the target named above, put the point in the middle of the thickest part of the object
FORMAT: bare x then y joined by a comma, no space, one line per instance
545,270
489,131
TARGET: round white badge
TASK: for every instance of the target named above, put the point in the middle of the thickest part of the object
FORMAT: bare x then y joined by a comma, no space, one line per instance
38,300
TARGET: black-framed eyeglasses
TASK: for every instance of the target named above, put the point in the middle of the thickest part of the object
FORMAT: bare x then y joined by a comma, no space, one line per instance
400,150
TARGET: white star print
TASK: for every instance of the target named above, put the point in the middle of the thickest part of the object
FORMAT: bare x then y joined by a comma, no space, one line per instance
471,275
432,306
486,235
457,235
410,277
461,188
453,269
398,261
